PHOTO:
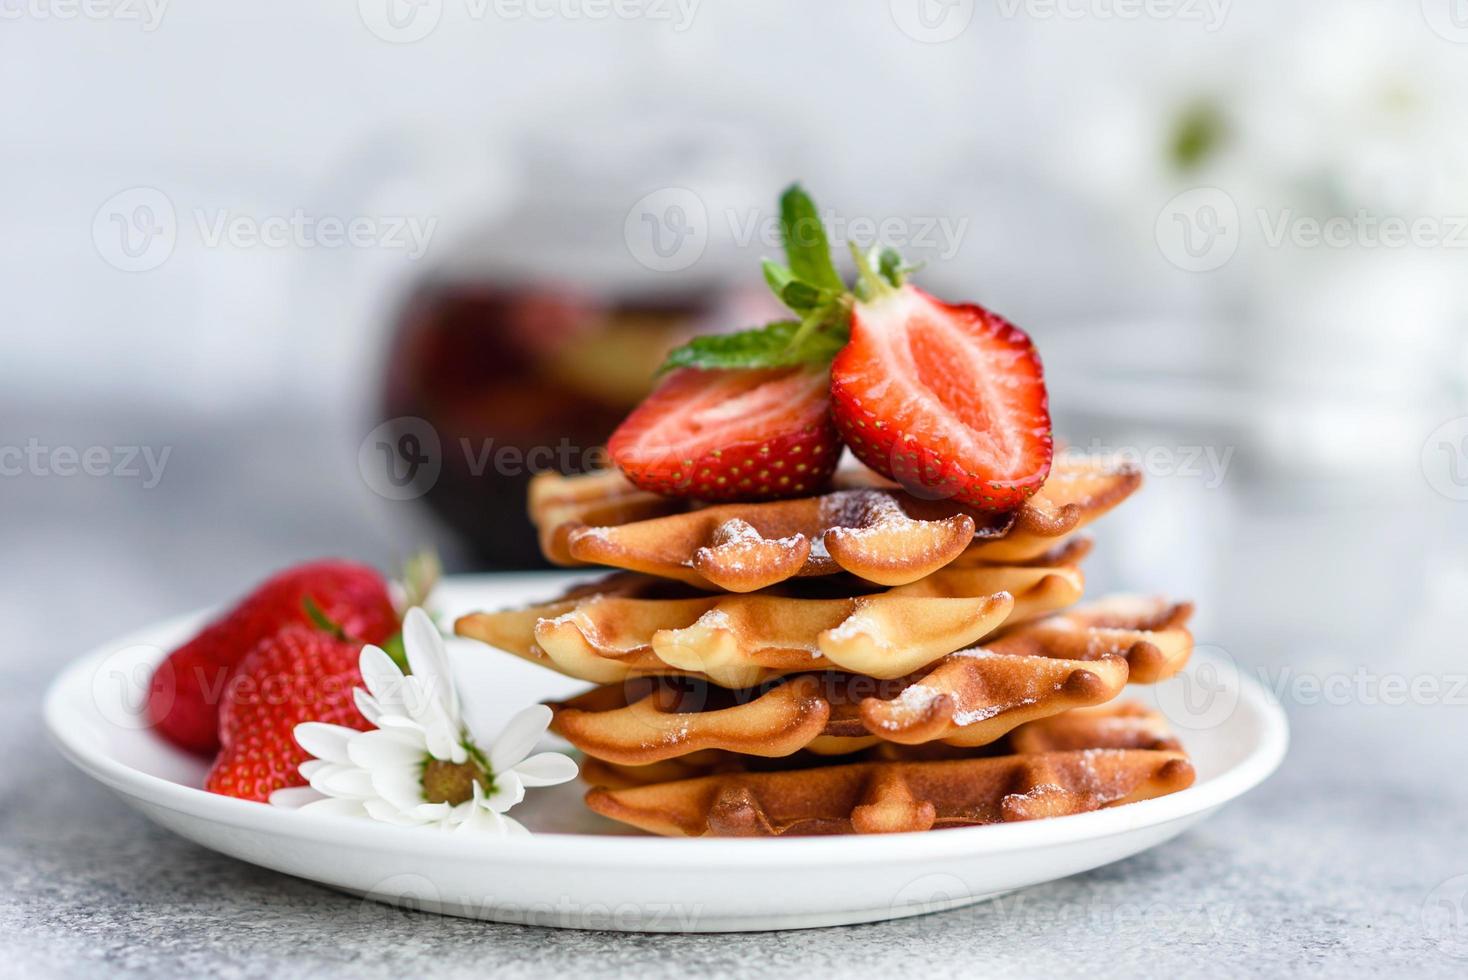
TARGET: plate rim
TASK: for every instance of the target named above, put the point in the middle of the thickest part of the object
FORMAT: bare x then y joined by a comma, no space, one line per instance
649,852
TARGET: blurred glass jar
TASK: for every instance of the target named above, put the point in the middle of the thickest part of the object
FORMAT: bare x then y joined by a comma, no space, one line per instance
529,339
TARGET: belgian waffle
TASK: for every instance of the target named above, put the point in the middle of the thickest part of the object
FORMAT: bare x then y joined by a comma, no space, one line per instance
870,528
968,698
741,640
888,797
1116,725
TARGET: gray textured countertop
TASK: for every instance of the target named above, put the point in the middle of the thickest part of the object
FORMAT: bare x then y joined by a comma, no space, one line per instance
1348,861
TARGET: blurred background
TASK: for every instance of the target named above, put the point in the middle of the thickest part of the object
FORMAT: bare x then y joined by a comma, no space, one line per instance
282,280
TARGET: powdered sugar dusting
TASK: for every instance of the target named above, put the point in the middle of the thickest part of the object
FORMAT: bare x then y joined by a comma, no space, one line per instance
915,700
736,542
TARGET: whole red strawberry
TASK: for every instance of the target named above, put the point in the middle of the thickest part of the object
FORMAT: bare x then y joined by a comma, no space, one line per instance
188,687
300,674
947,399
731,434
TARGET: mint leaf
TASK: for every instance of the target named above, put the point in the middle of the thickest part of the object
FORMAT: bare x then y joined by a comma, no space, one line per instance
777,275
779,344
802,296
806,247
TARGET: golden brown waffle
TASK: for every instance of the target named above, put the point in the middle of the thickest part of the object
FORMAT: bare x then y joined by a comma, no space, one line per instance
742,640
888,797
559,504
875,531
1149,632
1121,725
1079,490
968,698
1116,725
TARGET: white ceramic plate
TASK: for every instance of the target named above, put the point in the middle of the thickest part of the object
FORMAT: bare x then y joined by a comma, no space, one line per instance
582,871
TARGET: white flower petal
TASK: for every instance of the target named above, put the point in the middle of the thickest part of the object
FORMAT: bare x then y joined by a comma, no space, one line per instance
336,808
482,821
427,812
349,782
443,737
321,775
428,659
310,767
399,722
546,769
294,797
387,813
514,827
399,786
368,706
324,741
508,791
383,678
389,747
519,737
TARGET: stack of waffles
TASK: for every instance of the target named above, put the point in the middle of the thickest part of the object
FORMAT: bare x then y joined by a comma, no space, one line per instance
856,661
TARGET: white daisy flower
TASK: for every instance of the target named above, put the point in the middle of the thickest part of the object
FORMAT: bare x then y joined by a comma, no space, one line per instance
420,766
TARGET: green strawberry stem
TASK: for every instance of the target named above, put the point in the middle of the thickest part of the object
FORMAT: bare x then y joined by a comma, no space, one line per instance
869,284
392,646
320,620
811,287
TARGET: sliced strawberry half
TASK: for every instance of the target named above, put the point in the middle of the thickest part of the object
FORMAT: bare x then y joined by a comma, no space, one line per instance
731,434
948,400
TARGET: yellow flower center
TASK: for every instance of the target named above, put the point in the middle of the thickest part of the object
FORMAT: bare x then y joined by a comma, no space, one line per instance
449,782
